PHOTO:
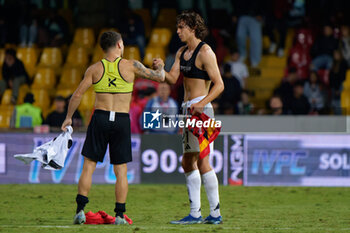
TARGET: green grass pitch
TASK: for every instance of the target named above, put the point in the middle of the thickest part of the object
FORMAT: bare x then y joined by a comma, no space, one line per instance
50,208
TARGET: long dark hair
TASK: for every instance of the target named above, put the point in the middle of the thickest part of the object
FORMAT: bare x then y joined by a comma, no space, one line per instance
194,21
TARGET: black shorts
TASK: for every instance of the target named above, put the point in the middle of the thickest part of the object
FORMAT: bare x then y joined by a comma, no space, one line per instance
102,131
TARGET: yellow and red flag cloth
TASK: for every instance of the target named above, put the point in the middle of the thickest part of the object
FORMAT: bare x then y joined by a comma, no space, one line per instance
205,134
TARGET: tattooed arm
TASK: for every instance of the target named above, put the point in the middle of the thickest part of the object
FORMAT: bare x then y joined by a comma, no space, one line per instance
157,75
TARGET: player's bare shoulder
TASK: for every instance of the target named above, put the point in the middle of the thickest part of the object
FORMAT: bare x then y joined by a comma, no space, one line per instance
205,52
95,70
180,50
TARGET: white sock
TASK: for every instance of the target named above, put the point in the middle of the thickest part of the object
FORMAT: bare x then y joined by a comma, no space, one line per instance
211,185
193,181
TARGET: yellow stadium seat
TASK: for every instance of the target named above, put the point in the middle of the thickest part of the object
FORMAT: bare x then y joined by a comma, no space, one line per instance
160,37
65,92
272,61
259,82
289,38
98,54
5,118
132,53
345,102
88,101
346,85
152,52
44,78
347,78
29,57
84,37
77,57
2,56
277,73
9,108
52,58
10,46
6,97
41,99
166,18
146,18
70,78
23,90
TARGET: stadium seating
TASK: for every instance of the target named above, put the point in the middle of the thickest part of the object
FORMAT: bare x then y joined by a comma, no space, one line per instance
51,58
77,57
65,92
132,52
42,100
2,56
345,102
166,18
268,72
160,37
5,118
23,90
6,97
86,105
70,78
44,78
98,54
29,58
84,37
273,61
153,52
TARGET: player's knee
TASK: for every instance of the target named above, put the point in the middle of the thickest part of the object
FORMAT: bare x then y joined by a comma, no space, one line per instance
120,170
189,162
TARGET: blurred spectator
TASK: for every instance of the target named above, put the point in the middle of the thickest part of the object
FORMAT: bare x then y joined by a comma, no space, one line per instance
166,105
238,68
26,115
299,55
313,91
300,104
56,31
56,118
13,73
245,107
285,90
133,31
249,13
345,43
322,50
337,76
232,92
28,27
276,105
276,19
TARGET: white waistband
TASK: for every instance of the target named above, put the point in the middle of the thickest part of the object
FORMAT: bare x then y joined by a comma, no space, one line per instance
192,101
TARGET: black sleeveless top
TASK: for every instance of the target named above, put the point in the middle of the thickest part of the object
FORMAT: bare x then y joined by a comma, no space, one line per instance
189,69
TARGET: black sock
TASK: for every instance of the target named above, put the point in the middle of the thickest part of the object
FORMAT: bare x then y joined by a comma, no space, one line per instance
81,202
119,209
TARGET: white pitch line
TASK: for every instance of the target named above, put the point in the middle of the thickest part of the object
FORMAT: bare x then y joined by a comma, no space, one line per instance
183,227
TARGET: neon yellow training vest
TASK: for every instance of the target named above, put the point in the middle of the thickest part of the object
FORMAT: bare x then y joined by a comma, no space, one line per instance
28,110
111,80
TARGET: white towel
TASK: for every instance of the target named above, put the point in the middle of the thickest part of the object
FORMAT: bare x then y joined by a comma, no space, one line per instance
51,154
